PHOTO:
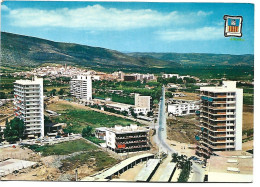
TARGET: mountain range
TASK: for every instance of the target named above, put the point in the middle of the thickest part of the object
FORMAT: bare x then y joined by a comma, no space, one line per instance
19,50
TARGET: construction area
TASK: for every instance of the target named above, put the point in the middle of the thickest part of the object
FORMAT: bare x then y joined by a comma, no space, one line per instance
183,129
20,163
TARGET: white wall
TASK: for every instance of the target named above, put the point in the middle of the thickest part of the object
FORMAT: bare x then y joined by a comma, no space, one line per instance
110,139
239,118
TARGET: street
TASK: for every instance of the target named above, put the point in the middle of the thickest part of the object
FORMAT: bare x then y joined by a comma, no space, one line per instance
161,133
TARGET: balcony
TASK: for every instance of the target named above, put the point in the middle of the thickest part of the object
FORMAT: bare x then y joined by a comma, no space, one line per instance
33,120
220,119
231,102
221,96
219,102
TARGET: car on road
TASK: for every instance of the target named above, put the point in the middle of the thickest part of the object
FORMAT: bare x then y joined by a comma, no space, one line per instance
198,161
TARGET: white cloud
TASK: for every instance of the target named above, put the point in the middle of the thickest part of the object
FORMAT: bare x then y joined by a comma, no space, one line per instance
97,17
202,13
204,33
4,8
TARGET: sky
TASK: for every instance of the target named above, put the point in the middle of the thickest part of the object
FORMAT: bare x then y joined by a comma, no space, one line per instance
133,26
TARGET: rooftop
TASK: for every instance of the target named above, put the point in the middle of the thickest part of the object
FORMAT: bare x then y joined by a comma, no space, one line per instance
228,86
35,80
232,162
128,129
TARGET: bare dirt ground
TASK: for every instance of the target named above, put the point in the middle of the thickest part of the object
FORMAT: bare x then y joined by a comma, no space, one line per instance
248,117
6,112
182,148
17,153
48,168
189,96
183,129
248,145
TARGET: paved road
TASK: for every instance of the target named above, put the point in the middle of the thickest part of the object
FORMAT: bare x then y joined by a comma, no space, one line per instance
161,134
199,173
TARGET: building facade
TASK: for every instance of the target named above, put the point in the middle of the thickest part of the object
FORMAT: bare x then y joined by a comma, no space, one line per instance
29,105
81,87
127,139
221,112
182,107
143,102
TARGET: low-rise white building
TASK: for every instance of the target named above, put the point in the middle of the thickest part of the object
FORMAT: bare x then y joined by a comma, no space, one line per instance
167,76
182,107
100,133
139,110
120,106
127,139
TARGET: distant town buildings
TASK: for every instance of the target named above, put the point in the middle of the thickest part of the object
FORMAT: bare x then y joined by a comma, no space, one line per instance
138,76
28,102
167,76
220,119
81,87
182,107
127,139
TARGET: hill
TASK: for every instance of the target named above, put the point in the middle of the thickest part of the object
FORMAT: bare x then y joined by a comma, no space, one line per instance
30,51
19,50
199,58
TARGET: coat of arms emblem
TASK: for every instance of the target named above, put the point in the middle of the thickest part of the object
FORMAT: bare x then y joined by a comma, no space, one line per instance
233,26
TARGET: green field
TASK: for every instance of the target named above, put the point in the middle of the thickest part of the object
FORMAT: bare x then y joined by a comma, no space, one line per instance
64,148
80,118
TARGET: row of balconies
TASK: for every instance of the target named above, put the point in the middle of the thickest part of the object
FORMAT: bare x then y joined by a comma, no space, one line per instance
215,147
135,147
218,135
217,95
131,142
129,137
33,125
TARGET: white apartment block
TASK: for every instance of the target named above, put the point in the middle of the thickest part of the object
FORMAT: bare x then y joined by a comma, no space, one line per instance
167,76
143,102
29,105
127,139
81,87
139,110
182,107
221,113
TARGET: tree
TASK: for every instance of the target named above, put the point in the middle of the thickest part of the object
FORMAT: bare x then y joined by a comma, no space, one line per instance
1,135
132,112
150,113
175,157
86,132
68,129
3,95
14,130
53,92
61,92
179,81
